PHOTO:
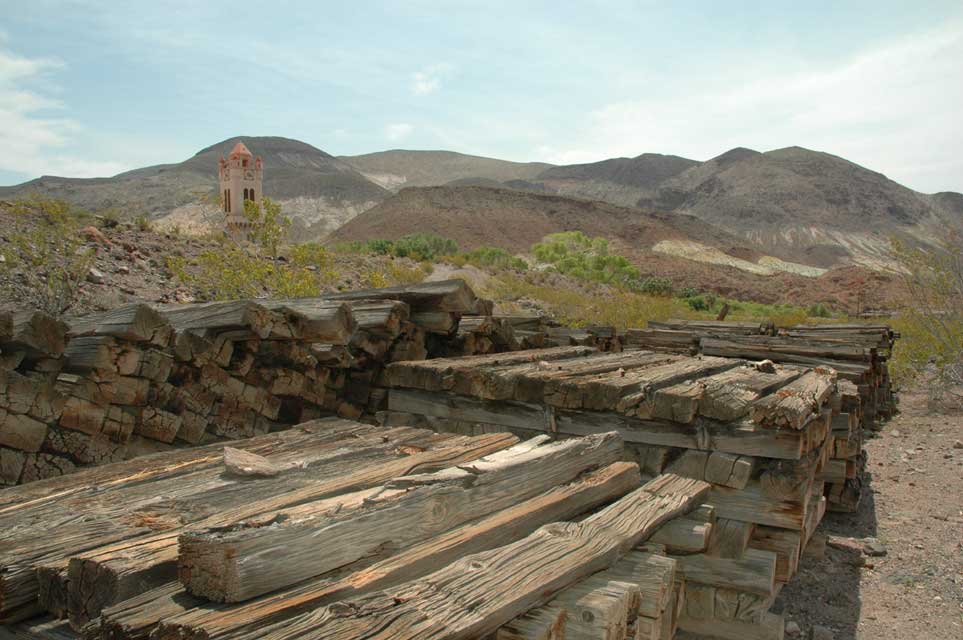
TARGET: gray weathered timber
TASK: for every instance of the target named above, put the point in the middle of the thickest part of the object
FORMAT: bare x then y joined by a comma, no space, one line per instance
742,438
317,319
105,574
479,593
249,619
754,572
794,405
37,333
243,563
447,295
133,322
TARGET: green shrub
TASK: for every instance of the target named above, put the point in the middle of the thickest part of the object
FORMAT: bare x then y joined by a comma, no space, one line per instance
656,286
819,310
423,246
46,246
574,254
495,257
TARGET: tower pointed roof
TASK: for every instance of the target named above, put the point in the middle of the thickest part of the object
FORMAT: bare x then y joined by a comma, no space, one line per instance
240,150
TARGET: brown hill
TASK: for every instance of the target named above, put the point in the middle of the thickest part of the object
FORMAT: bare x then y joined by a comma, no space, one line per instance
806,205
622,181
476,216
314,182
399,168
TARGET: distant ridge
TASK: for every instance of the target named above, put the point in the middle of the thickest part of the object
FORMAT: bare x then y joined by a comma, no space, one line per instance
795,204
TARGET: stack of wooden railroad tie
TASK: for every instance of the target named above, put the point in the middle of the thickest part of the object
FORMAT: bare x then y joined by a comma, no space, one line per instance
337,529
141,379
760,433
858,352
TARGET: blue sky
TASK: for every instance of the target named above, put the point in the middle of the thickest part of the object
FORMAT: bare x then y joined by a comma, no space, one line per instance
94,88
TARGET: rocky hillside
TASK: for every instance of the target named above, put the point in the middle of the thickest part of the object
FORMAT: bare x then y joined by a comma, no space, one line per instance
476,216
319,190
622,181
400,168
790,209
807,206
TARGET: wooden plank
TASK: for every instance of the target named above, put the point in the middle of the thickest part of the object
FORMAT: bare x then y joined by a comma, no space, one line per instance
317,319
730,538
37,333
754,572
729,470
770,627
559,503
555,556
246,562
454,296
214,317
684,535
133,322
794,405
741,438
102,574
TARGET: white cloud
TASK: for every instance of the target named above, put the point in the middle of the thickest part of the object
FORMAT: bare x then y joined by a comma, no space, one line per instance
893,108
428,80
31,139
398,131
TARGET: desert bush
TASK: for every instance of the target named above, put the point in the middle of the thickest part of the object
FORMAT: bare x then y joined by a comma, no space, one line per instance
47,248
494,257
819,310
931,319
395,273
655,286
423,246
253,267
595,306
574,254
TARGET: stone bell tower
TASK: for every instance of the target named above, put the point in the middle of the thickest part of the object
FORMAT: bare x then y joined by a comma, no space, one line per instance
240,180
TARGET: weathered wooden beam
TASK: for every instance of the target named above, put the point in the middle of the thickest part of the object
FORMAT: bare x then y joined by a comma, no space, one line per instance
559,503
555,556
134,322
246,562
794,405
740,438
317,319
446,295
36,332
754,572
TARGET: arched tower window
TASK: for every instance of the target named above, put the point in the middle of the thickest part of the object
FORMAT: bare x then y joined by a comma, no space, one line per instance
253,199
228,200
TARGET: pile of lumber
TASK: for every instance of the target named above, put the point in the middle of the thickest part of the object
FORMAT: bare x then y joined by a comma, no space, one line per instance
542,331
337,529
32,348
762,434
141,379
683,336
858,352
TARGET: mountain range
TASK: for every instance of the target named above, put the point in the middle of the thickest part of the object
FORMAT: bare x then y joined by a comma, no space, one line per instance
789,209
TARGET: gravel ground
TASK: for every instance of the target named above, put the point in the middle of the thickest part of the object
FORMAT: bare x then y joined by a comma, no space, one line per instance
913,507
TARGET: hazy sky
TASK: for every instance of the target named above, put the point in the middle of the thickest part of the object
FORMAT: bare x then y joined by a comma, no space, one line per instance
94,88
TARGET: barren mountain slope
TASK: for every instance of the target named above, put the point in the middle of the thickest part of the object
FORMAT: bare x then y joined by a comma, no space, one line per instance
399,168
805,205
315,184
475,216
622,181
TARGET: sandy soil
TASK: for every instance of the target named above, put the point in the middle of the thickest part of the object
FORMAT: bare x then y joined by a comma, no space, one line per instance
913,506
